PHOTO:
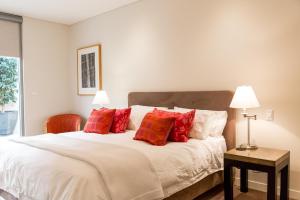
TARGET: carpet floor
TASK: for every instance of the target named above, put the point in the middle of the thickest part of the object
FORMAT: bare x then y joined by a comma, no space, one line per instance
218,194
214,194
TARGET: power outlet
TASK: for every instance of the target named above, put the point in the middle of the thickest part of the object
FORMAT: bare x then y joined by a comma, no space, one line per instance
269,115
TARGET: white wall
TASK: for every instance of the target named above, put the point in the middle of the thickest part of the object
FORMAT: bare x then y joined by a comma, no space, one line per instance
162,45
46,87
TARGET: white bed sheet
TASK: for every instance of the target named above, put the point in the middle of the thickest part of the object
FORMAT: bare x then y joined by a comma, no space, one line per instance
178,165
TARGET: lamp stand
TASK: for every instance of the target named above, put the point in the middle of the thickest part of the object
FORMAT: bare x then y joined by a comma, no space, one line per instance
248,146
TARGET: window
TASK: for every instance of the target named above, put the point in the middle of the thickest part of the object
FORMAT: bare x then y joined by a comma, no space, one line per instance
11,101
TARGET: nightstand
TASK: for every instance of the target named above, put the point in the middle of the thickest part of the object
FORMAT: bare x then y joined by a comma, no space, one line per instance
271,161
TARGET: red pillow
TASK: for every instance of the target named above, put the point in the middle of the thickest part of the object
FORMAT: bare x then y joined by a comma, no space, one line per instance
182,125
121,120
99,121
155,129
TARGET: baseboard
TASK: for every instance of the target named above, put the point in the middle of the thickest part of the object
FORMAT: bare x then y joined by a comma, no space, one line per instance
295,194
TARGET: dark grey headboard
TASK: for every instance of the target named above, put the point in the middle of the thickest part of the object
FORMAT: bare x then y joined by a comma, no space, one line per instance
206,100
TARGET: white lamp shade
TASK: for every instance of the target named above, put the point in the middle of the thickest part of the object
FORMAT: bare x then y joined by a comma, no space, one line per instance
244,97
101,98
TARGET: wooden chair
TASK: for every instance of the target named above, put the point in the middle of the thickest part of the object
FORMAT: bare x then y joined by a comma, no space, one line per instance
62,123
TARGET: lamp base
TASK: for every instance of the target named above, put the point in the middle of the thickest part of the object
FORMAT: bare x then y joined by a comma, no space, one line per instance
244,147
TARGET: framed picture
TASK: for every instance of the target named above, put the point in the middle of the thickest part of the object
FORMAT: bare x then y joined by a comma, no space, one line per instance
89,70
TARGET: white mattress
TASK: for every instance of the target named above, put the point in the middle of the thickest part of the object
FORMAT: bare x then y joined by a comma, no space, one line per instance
178,165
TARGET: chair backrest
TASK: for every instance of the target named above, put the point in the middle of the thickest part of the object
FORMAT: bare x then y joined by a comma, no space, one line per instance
63,123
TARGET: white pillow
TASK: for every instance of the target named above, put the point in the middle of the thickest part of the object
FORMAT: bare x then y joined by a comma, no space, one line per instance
137,115
206,123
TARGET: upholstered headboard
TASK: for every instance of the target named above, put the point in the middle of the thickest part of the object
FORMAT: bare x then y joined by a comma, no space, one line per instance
205,100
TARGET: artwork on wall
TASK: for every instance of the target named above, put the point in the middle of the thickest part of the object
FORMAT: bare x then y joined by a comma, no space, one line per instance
89,70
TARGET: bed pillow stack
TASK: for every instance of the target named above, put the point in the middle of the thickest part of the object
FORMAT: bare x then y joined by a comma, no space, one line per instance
152,123
106,120
156,128
189,123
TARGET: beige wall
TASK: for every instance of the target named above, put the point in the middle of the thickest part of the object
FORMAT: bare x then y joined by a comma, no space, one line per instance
46,88
162,45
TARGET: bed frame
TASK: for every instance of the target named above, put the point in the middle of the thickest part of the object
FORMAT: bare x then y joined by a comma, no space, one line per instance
208,100
205,100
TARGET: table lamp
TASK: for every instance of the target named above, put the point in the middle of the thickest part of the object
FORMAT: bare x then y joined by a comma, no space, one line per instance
101,98
244,98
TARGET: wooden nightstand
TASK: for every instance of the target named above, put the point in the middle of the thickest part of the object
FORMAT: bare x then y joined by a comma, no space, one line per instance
271,161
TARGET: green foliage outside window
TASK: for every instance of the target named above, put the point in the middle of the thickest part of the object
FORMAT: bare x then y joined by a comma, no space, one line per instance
8,81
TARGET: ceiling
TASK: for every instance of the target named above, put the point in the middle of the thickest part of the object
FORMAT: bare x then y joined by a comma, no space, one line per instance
61,11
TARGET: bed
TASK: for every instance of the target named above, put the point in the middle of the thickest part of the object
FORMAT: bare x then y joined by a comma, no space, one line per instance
179,167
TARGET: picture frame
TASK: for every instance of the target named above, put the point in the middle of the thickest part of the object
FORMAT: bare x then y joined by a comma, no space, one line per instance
89,70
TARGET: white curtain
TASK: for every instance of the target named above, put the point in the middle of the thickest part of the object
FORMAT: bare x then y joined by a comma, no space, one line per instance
10,38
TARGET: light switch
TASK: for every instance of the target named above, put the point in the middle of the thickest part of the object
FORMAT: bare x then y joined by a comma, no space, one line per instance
269,115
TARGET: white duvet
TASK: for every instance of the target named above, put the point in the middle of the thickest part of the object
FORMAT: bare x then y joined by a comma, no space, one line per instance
32,172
